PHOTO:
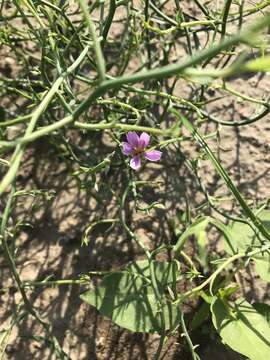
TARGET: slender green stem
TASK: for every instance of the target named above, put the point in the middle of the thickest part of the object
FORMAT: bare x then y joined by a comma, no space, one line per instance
202,8
227,262
222,172
225,14
46,130
99,55
18,153
169,70
8,256
107,84
160,347
147,35
108,22
189,341
160,13
126,227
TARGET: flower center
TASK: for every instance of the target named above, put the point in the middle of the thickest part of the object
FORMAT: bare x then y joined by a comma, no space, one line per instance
138,151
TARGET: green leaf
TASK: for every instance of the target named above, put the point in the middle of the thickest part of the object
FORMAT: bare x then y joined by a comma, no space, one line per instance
244,238
201,236
225,293
129,300
165,272
198,226
243,329
228,238
200,316
263,309
263,266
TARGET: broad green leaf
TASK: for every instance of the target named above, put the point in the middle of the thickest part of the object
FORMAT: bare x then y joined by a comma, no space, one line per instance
243,329
195,228
165,272
263,309
244,238
129,300
201,237
125,299
263,266
226,232
200,316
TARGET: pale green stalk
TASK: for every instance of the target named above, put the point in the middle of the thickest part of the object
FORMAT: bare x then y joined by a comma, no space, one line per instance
211,278
18,153
99,56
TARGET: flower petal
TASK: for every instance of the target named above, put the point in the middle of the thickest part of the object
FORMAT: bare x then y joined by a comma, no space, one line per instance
127,148
153,155
135,162
133,139
144,140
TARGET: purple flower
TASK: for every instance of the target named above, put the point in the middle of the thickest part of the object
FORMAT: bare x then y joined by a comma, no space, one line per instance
136,147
